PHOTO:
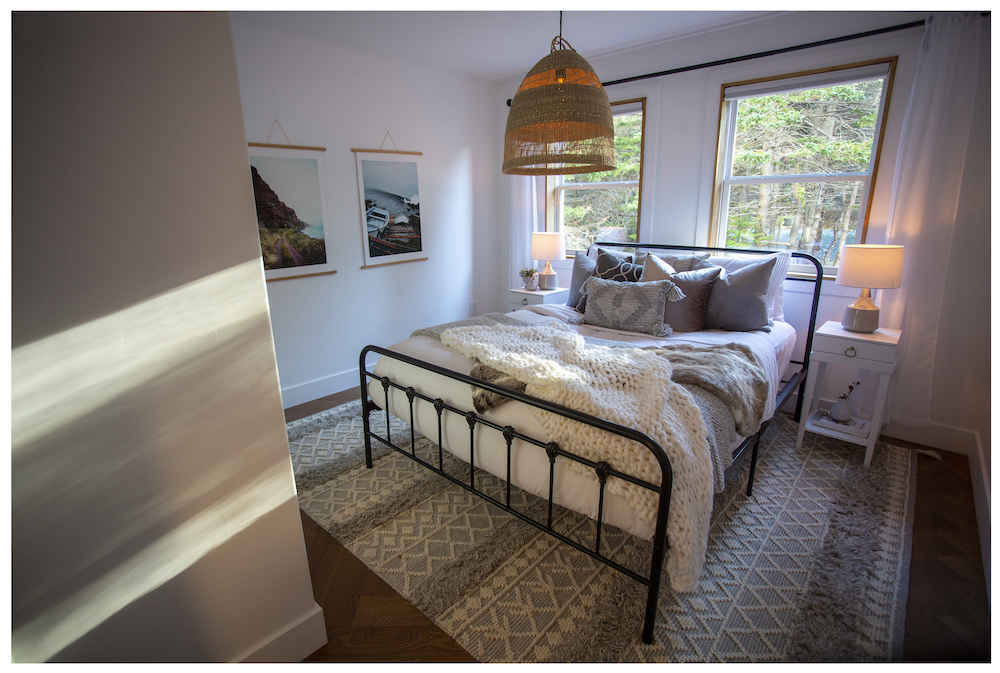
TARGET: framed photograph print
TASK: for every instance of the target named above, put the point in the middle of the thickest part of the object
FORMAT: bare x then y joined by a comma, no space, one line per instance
291,211
391,228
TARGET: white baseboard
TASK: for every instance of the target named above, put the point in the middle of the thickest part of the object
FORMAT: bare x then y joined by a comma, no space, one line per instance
313,390
294,643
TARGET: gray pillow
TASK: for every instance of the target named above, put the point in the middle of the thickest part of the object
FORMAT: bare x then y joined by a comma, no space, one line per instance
775,291
688,314
630,307
680,261
738,302
583,268
612,267
593,250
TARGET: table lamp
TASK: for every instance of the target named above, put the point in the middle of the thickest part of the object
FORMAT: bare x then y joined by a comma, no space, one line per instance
868,267
547,246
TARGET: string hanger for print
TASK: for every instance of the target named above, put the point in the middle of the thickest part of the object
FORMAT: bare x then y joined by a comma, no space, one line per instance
394,150
288,145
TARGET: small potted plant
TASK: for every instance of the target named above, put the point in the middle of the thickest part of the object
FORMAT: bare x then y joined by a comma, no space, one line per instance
530,278
841,409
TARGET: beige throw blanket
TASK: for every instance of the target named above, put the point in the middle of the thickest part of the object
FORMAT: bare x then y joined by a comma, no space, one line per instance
728,371
631,387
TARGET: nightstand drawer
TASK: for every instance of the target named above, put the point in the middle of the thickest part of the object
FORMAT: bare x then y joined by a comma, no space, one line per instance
520,298
854,348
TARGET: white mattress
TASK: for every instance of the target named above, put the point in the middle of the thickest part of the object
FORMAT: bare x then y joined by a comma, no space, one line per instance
529,464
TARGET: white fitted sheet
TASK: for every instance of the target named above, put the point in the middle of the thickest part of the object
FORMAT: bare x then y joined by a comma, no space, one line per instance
529,464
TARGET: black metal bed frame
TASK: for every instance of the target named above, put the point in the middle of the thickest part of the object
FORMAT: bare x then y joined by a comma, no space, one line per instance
602,469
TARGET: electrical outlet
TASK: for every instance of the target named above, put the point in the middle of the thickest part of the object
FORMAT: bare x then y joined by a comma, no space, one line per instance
472,309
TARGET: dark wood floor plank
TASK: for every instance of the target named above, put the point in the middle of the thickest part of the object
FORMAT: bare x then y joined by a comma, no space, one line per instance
947,616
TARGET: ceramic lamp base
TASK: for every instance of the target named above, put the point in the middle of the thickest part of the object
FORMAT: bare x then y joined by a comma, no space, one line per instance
863,320
548,281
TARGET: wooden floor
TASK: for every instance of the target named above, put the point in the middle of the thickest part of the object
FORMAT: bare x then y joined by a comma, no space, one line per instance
947,613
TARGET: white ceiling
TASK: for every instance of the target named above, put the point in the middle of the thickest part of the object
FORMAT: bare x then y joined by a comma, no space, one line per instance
492,45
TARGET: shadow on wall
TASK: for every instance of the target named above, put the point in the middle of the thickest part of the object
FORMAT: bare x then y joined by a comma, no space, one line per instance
112,497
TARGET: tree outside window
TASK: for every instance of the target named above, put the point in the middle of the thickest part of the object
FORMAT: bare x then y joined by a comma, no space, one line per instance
603,206
797,160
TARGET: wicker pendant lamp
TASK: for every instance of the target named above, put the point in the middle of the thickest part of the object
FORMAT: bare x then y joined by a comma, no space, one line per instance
560,119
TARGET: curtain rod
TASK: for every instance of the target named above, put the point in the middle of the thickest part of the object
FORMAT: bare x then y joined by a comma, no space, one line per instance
762,54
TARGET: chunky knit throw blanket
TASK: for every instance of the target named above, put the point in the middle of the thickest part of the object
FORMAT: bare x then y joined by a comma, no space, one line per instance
631,387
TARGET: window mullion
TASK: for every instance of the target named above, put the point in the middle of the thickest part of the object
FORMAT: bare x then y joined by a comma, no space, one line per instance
597,185
814,177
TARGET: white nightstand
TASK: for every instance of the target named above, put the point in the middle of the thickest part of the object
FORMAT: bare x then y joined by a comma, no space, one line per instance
519,297
875,352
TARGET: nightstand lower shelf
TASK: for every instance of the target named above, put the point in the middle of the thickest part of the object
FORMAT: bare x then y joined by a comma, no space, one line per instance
820,423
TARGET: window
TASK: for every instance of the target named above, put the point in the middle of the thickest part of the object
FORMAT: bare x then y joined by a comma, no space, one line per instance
604,206
797,159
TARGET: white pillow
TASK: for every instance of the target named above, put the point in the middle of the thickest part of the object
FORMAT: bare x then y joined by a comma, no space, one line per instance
775,295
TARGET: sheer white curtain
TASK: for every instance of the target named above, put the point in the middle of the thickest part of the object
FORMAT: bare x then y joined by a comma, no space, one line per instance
924,202
526,192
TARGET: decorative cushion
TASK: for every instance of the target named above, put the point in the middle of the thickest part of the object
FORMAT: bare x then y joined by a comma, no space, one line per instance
631,307
738,302
612,267
583,268
776,285
679,261
592,252
688,314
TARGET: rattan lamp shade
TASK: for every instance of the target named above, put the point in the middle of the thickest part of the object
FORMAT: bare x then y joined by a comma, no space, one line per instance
560,119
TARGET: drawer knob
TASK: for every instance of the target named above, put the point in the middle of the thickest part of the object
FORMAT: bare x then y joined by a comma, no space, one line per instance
524,302
850,352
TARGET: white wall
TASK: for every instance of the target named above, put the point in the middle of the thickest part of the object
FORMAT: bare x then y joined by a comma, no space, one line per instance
153,514
331,96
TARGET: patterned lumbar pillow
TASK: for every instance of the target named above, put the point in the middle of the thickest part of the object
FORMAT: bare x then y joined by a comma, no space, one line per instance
612,267
630,307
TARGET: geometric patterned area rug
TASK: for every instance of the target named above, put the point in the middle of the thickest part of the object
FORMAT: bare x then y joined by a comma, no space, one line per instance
813,567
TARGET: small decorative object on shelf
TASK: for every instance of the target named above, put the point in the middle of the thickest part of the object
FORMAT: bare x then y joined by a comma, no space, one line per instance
530,278
852,426
841,409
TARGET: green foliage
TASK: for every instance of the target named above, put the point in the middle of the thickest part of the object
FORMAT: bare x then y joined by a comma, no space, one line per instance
592,214
820,131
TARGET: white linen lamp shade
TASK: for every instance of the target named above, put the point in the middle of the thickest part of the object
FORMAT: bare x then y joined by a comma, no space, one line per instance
868,267
547,246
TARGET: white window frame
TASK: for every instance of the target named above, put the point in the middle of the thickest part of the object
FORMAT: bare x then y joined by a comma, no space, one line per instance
734,92
555,187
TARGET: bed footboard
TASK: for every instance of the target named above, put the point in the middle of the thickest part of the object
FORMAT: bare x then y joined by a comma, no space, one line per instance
603,470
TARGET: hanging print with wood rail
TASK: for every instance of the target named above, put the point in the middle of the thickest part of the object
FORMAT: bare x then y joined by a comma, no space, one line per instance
291,213
390,206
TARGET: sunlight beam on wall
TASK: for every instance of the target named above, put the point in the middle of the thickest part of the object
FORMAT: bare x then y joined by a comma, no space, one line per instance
141,441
